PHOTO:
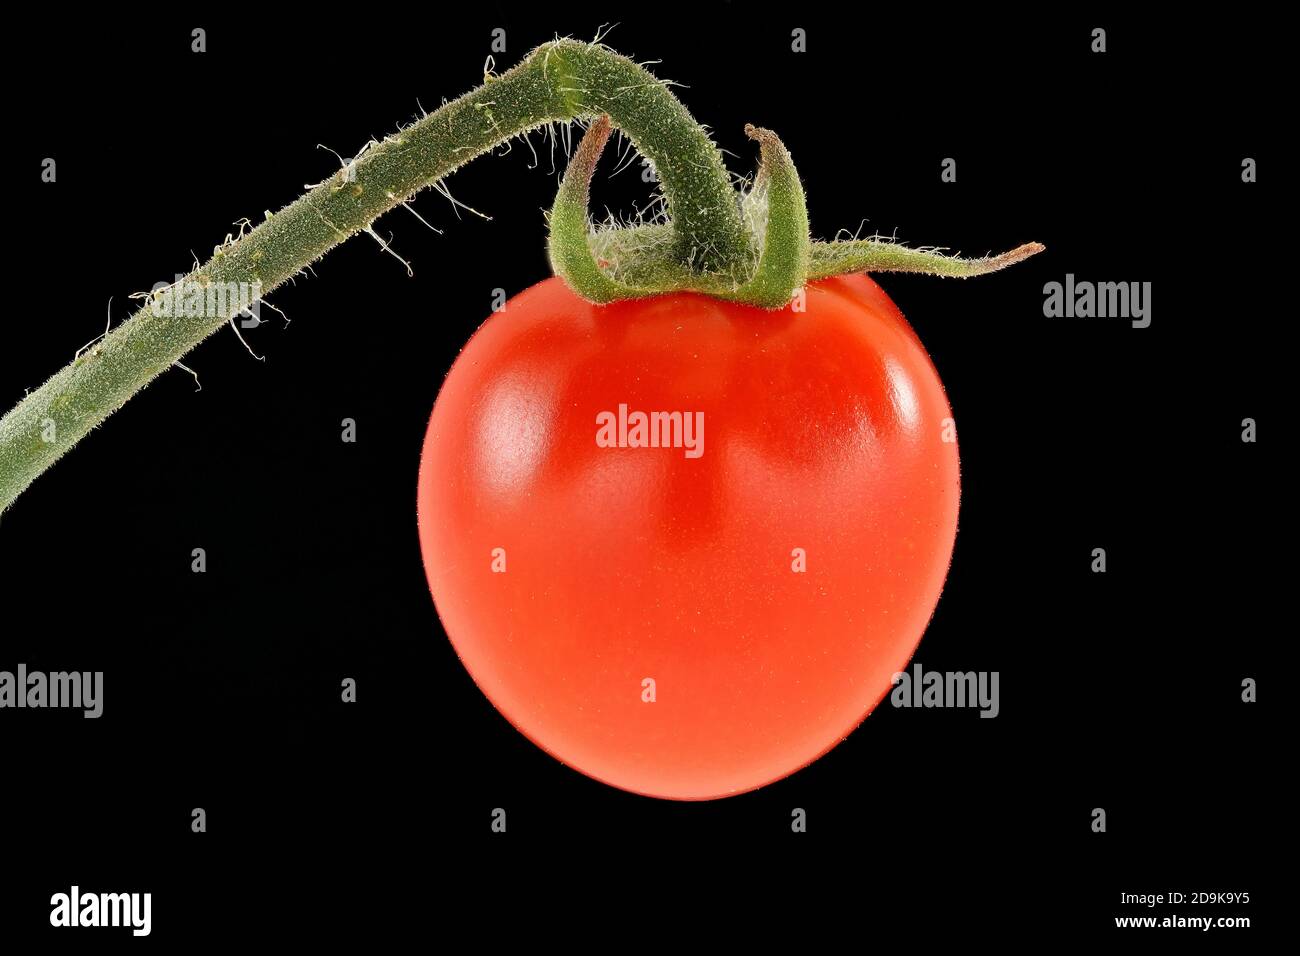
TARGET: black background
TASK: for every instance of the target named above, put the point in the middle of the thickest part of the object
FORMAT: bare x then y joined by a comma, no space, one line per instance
1119,690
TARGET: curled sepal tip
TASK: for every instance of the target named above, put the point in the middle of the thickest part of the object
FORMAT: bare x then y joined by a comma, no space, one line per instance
567,245
778,221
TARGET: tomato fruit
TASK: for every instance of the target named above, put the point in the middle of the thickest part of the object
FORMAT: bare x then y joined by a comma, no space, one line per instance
770,586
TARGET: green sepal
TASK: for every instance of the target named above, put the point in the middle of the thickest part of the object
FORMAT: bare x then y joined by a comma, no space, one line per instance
877,255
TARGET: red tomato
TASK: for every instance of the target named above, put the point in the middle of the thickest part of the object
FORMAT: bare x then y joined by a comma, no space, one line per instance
568,572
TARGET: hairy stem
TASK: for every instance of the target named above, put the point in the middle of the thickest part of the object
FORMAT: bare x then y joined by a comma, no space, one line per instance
558,81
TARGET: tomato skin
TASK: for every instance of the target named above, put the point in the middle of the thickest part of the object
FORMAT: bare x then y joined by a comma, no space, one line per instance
823,430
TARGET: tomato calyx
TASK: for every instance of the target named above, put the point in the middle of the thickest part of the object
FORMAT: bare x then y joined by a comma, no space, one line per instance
630,262
636,261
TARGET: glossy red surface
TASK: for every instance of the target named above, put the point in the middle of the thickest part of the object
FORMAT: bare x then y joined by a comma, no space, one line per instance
823,430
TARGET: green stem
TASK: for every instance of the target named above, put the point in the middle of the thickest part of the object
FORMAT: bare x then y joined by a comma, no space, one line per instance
558,81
